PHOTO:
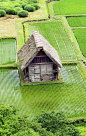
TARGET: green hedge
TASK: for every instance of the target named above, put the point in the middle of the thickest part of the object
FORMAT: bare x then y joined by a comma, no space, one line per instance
29,8
17,5
23,13
23,5
34,1
18,9
36,6
2,13
11,11
1,7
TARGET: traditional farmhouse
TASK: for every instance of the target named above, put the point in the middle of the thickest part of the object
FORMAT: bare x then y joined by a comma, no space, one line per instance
39,61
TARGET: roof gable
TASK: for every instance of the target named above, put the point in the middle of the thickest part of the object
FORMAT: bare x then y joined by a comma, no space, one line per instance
34,44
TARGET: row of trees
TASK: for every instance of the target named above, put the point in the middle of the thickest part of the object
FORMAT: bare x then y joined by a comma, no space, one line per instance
46,124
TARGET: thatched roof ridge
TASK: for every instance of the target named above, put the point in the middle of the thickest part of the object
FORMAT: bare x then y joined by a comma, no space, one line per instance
34,44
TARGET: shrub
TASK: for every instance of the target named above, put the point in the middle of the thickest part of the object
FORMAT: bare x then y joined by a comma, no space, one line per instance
18,9
1,7
36,6
2,13
34,1
17,5
23,5
20,2
23,13
11,11
30,2
84,120
57,124
29,8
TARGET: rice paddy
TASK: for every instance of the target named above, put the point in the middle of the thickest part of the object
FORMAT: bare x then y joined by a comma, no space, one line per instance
69,97
57,37
9,79
80,36
77,21
70,7
78,25
7,51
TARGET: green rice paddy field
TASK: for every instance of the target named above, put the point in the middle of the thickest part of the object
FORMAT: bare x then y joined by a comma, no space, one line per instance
54,32
77,21
69,97
7,51
80,33
70,7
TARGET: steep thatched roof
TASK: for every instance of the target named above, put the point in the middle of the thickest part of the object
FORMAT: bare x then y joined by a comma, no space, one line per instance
34,44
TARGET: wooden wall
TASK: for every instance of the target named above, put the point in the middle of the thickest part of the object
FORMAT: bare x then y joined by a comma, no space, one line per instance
41,69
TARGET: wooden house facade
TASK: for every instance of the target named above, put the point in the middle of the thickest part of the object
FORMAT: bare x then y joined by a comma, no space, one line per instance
38,60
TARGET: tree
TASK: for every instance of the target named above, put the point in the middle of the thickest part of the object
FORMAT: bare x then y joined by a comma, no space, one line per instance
13,125
57,124
47,124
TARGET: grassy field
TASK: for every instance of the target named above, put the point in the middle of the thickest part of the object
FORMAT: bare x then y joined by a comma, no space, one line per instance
7,29
69,97
80,36
7,51
77,21
54,32
70,7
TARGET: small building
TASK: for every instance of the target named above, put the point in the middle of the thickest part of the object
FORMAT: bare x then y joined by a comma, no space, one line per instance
39,61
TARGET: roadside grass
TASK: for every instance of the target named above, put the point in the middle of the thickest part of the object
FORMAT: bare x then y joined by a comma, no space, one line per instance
72,7
77,21
69,97
51,10
20,34
54,32
80,35
7,51
44,13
